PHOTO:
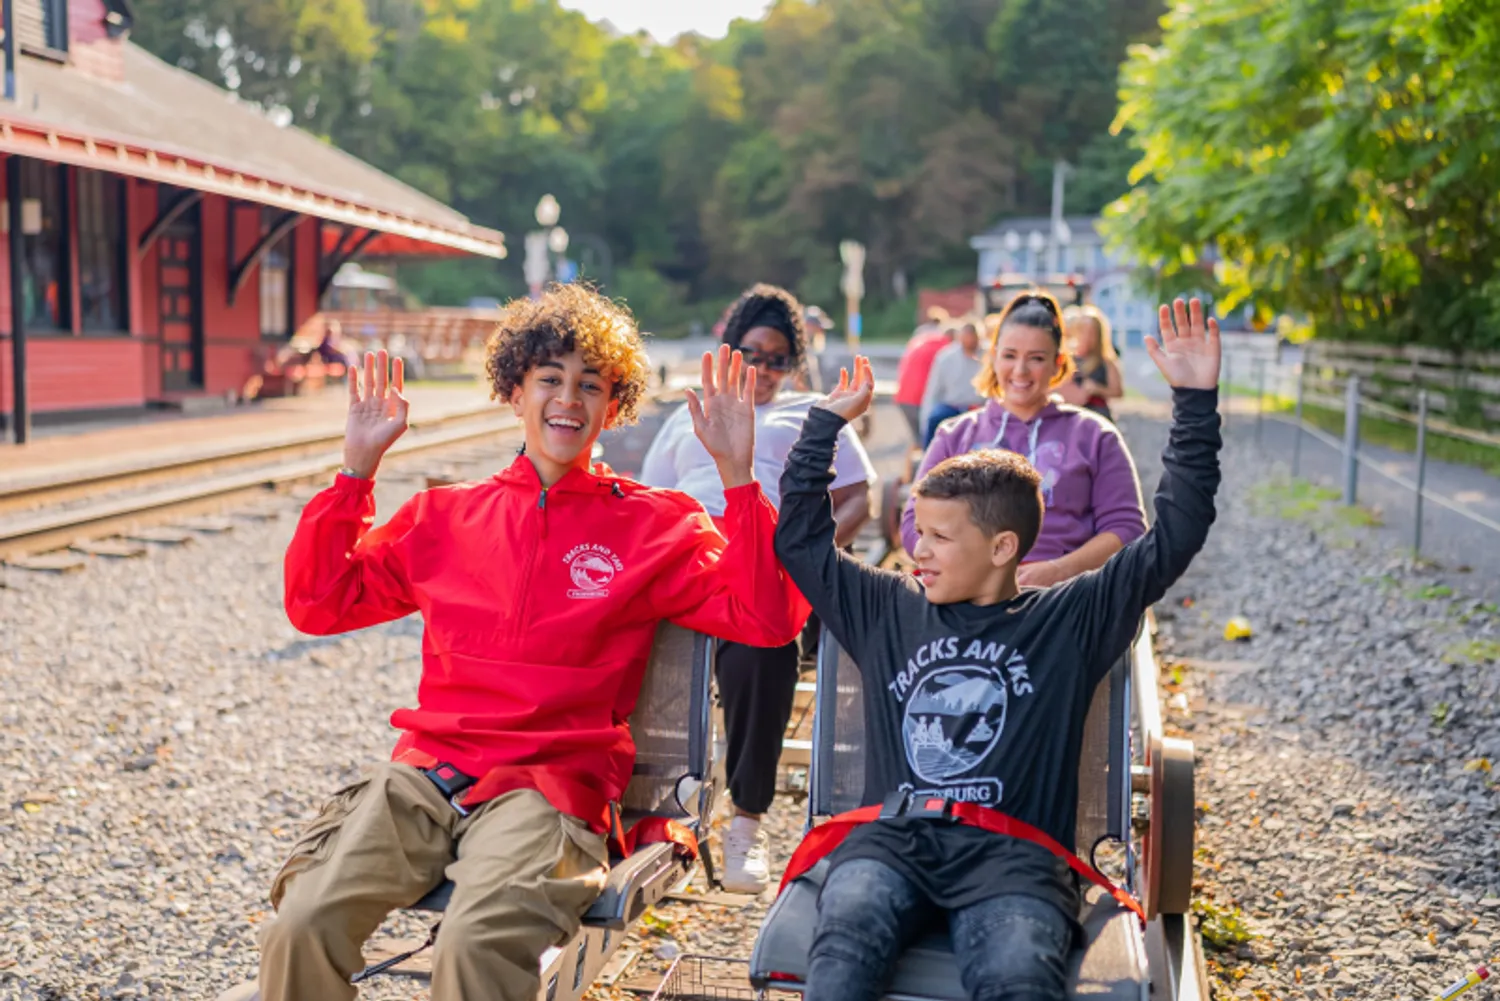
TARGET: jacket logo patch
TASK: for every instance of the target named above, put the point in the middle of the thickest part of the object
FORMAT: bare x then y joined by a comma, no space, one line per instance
591,568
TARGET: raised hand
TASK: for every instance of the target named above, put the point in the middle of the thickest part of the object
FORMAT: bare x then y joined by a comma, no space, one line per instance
377,416
851,399
725,420
1188,354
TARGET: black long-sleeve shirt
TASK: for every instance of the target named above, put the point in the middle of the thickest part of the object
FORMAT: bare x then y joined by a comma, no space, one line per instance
987,703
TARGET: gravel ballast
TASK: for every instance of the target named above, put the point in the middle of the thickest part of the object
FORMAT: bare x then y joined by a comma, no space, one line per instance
1347,753
165,732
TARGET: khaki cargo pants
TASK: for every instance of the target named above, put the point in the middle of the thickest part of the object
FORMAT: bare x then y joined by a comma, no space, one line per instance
523,874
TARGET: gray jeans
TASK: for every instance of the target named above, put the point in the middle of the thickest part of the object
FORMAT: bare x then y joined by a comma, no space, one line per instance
1009,948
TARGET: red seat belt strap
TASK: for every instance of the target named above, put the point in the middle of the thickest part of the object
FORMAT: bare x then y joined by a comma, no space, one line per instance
653,830
823,839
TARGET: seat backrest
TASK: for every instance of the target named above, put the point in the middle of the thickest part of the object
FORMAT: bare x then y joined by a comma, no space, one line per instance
837,783
671,720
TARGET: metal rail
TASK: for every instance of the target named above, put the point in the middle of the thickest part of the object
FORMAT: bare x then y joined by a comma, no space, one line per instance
21,492
44,529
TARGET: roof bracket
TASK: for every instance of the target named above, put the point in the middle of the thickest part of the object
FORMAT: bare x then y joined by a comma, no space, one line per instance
240,272
342,256
168,214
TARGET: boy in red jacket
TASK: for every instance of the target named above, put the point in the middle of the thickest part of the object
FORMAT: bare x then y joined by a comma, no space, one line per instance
541,589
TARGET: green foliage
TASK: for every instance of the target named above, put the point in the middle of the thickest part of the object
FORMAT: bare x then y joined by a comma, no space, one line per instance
1474,652
1224,929
701,165
1341,154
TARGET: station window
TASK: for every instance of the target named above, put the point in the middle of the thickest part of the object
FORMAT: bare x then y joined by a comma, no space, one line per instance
276,284
101,251
45,293
55,24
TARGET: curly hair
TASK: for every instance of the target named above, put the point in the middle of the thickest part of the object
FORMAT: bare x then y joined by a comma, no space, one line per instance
764,305
568,318
1033,308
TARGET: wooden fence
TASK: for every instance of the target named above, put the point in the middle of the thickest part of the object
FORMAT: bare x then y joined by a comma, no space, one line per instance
1464,389
439,338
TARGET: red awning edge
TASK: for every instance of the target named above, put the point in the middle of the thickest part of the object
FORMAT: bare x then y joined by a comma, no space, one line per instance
26,137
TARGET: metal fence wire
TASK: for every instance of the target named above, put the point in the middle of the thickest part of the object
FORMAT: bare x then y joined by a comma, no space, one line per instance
711,978
1348,447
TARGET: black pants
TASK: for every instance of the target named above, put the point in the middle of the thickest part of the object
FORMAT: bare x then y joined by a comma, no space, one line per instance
756,687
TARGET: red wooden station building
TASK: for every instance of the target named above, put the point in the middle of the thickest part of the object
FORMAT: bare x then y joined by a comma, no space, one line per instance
160,235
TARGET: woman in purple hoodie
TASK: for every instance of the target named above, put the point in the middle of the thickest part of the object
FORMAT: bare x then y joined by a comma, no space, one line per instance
1088,479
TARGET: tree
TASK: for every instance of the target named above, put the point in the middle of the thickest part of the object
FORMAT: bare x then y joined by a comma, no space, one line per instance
1339,154
700,165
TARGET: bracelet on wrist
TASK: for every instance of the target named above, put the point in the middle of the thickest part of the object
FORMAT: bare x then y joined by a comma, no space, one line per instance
349,472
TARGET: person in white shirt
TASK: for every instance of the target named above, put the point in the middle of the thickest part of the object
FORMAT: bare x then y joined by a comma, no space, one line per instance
757,685
950,387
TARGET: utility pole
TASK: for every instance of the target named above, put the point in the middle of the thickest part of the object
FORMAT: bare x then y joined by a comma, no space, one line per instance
1060,236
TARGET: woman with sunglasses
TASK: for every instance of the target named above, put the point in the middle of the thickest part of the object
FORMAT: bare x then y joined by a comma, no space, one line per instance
767,327
1089,486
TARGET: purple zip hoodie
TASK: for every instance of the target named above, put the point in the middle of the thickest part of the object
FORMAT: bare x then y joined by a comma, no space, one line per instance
1088,478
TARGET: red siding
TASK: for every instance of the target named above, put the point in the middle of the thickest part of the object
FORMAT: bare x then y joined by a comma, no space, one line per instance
90,372
90,48
5,265
143,297
231,334
70,373
305,280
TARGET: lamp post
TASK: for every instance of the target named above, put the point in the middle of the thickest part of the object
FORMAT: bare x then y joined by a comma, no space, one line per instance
1037,244
548,212
538,265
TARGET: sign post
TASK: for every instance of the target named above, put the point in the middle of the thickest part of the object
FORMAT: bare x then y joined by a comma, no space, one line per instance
852,253
536,266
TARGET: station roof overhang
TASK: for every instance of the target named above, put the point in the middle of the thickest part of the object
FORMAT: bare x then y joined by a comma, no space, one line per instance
168,126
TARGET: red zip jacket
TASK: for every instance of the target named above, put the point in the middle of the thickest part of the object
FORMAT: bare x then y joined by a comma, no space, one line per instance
540,608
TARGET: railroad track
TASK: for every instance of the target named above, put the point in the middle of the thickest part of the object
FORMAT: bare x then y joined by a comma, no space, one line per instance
45,515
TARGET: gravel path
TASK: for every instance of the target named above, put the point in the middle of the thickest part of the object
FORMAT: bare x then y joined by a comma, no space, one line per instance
1350,813
166,732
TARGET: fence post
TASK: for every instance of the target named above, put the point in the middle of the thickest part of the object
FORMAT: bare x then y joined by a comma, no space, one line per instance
1351,441
1260,397
1297,431
1416,535
1228,394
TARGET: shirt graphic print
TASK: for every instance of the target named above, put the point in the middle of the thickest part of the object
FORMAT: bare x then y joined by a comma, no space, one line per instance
953,697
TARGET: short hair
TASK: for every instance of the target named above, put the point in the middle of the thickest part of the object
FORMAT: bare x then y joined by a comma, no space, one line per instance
1033,308
1002,489
763,305
569,318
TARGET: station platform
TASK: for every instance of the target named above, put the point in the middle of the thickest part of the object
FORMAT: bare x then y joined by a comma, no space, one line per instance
155,437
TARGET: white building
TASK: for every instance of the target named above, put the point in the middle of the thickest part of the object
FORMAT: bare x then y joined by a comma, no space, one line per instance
1026,246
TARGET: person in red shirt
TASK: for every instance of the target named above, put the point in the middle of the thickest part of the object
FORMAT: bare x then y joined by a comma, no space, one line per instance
540,590
916,365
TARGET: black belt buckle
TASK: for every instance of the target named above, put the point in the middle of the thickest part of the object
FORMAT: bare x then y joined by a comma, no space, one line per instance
905,804
451,782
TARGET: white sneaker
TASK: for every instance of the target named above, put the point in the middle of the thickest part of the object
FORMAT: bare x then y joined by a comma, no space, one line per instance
745,849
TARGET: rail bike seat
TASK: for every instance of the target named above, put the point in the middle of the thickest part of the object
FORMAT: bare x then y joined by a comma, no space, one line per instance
1111,966
1116,962
671,725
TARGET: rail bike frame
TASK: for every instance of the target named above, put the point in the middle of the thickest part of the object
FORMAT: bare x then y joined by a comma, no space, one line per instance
1135,790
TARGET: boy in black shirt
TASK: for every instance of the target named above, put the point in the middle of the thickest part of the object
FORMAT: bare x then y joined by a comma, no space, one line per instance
977,691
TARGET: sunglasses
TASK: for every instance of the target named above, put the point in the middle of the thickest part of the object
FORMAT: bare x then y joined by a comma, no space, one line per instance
771,363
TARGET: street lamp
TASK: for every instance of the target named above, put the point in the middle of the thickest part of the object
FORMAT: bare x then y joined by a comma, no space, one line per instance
551,237
548,212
